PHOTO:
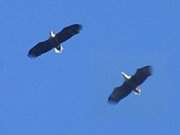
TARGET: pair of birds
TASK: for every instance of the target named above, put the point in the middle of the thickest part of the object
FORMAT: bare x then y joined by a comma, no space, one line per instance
131,83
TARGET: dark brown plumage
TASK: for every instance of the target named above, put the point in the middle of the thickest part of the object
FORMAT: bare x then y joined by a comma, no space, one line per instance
129,85
62,36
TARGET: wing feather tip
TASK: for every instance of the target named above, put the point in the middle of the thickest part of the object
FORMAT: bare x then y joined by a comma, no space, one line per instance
78,27
31,55
112,101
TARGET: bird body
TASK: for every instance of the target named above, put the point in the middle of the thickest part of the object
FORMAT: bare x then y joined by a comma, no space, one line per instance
54,41
137,90
59,48
130,84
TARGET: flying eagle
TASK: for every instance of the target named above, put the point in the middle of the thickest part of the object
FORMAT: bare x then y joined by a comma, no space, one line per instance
54,41
130,84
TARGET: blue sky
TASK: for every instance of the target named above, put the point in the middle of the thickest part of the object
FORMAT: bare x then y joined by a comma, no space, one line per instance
67,94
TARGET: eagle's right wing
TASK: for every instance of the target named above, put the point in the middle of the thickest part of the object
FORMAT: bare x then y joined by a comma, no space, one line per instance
68,32
120,93
40,48
141,75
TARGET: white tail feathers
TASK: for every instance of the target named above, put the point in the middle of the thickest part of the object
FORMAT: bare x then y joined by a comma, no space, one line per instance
59,51
137,91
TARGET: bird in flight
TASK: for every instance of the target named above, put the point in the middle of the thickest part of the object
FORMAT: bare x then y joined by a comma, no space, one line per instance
130,84
54,41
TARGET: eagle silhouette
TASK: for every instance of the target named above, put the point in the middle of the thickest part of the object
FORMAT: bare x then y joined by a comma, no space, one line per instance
130,84
54,41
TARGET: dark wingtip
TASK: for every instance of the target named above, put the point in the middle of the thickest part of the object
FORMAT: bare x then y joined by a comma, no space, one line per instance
31,55
78,27
149,69
112,101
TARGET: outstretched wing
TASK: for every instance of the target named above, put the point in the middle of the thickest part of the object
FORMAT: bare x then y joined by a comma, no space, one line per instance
141,75
68,32
120,93
40,48
45,46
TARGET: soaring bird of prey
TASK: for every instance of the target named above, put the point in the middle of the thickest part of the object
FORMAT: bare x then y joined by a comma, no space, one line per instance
130,84
54,41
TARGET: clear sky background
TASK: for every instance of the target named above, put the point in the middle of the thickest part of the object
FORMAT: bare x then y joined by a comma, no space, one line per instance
67,94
